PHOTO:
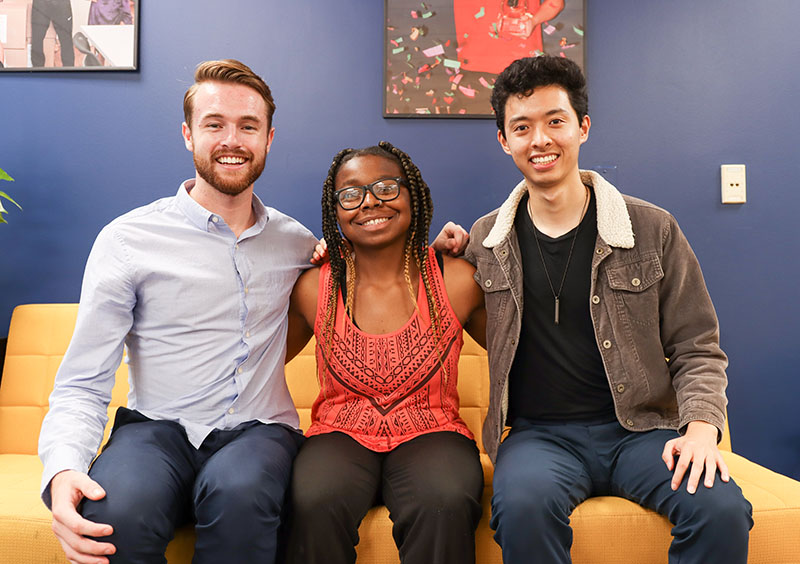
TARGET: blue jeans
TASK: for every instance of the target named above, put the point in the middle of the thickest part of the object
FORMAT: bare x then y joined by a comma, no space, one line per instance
232,487
544,471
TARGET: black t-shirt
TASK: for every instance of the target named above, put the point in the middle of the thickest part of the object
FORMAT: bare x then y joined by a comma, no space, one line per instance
558,374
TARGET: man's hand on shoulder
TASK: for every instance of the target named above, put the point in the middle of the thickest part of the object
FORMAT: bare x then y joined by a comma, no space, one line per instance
67,489
697,447
320,255
452,239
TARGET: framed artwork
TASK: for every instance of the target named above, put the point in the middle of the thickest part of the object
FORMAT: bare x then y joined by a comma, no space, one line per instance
69,35
441,57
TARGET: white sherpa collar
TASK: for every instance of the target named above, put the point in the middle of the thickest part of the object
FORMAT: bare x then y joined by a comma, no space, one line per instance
613,221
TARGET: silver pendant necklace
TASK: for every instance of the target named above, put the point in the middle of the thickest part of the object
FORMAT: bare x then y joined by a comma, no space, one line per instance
557,295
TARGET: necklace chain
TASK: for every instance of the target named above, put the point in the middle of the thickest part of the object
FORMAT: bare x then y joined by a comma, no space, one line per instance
557,296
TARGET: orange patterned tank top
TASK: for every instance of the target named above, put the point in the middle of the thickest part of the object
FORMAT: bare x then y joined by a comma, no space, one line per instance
384,390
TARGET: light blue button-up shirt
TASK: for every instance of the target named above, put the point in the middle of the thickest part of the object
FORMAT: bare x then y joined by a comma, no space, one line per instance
203,317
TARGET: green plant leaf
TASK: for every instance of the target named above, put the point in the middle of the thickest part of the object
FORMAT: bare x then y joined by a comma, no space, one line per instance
10,199
4,175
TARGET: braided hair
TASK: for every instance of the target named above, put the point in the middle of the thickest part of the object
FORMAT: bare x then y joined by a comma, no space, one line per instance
416,248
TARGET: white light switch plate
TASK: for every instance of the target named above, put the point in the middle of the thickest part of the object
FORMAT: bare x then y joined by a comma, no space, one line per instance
734,185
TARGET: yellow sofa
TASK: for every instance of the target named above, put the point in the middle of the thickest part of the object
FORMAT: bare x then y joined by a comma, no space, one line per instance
607,529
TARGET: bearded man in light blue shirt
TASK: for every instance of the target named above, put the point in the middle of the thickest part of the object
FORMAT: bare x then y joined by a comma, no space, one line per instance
196,286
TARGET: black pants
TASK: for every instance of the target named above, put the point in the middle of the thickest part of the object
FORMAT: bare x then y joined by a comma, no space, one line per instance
432,486
233,487
60,13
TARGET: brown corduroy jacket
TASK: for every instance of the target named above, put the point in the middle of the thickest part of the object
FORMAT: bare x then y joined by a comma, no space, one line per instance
654,323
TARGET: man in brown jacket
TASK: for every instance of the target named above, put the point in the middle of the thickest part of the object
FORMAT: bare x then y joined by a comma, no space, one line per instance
603,343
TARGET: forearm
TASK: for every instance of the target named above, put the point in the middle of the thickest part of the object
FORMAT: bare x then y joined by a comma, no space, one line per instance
690,335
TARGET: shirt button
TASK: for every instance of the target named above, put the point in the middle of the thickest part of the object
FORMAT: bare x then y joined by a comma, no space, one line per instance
595,299
247,334
488,283
629,422
231,411
246,290
606,344
636,282
236,246
215,219
620,388
239,370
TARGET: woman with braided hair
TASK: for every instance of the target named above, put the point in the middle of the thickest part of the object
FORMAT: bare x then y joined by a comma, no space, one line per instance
388,315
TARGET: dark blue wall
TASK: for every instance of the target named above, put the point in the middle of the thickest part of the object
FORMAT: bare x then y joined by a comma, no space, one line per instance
676,89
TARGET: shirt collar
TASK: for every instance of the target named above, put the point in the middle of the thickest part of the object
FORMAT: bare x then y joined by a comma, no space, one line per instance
200,217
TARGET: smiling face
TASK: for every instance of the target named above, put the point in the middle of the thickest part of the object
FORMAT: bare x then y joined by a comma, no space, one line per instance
543,136
374,222
229,136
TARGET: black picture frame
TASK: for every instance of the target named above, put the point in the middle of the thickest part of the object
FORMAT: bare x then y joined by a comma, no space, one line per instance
36,35
441,57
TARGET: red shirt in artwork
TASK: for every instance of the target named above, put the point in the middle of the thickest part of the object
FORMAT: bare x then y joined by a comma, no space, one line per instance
384,390
492,34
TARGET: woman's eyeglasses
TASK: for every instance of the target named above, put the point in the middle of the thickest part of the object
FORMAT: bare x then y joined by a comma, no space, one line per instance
385,190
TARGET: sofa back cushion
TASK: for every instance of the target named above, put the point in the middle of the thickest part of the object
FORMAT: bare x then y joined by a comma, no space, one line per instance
40,333
37,340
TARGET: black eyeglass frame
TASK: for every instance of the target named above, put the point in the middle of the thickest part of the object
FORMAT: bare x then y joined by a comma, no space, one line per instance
400,181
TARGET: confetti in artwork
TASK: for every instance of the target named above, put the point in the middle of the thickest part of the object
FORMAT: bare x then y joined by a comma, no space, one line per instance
443,56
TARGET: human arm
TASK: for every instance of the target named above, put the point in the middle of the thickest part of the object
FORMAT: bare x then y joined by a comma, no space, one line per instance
690,338
451,240
73,427
548,10
689,333
466,297
302,312
126,18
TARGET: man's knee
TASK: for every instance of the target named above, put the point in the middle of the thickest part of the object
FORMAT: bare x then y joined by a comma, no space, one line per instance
529,495
252,481
722,508
143,519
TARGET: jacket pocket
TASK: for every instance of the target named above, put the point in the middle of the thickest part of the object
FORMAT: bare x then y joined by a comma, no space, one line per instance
496,289
635,288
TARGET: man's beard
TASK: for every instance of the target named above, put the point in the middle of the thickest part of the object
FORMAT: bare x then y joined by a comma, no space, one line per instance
227,185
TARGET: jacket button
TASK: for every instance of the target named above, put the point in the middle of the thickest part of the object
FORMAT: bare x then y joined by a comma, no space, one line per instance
606,344
503,252
599,251
636,282
513,341
595,299
629,422
620,388
488,283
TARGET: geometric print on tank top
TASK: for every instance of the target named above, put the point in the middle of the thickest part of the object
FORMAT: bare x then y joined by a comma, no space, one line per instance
384,390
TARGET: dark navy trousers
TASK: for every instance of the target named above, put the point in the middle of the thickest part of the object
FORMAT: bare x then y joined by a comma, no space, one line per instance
232,488
544,471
